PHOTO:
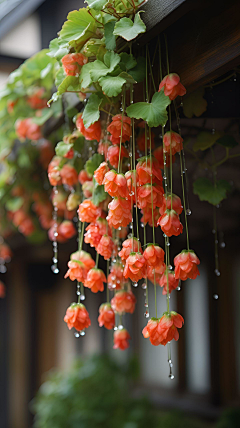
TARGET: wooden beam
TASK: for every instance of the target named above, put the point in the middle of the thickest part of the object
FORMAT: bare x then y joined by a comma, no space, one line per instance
204,45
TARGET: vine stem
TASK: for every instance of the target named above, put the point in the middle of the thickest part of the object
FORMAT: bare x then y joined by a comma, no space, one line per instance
184,202
120,148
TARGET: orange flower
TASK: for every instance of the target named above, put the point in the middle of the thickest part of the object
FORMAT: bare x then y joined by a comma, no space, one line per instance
87,189
106,316
5,252
77,271
27,129
172,282
100,172
116,279
88,212
54,171
170,223
2,290
135,267
129,246
77,316
172,86
69,175
72,63
115,184
10,105
147,168
154,256
152,275
113,155
148,196
172,142
37,100
123,301
103,148
95,231
83,176
95,280
54,235
119,214
85,258
105,247
158,154
120,126
67,229
46,153
186,265
93,132
162,330
147,216
121,338
175,201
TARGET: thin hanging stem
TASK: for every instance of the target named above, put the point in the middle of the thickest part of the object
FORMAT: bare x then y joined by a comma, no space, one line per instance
120,148
107,283
97,259
184,203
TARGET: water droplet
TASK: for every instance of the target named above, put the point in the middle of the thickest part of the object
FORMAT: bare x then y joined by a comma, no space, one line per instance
171,376
215,296
77,334
146,314
120,228
135,284
55,269
213,231
164,235
131,193
144,285
120,327
82,333
54,260
178,288
188,211
82,297
217,272
213,131
146,305
115,328
222,245
170,267
168,244
130,226
130,154
78,292
142,225
3,269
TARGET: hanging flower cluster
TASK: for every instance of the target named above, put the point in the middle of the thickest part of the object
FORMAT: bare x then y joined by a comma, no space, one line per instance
123,184
112,175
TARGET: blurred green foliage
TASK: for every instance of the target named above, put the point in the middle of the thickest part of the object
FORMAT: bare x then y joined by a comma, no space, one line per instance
230,419
96,393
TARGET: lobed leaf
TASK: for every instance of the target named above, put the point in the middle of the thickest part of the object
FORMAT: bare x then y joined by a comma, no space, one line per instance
153,113
128,29
91,112
206,190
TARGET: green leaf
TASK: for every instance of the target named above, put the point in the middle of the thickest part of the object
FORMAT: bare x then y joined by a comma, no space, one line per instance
153,113
139,71
205,140
206,190
57,49
91,112
85,78
66,83
99,195
79,26
227,141
96,4
14,204
100,69
127,77
127,61
194,104
62,148
110,39
93,163
112,86
129,30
